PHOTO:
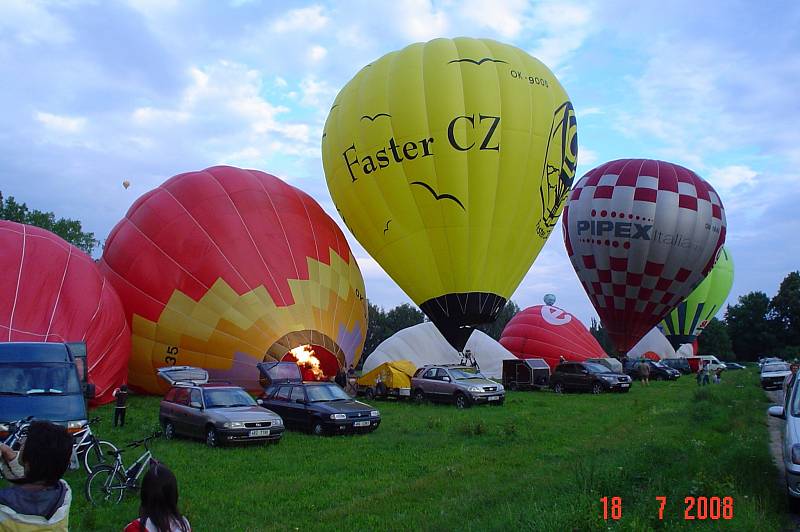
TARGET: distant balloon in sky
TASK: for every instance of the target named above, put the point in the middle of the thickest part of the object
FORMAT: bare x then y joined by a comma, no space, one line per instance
450,162
50,291
549,299
224,268
641,234
126,184
685,323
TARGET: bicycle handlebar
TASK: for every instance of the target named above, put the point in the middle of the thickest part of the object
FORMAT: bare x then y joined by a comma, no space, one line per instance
144,441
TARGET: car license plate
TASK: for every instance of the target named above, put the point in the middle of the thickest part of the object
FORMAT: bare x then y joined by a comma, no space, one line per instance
624,385
494,398
257,433
361,424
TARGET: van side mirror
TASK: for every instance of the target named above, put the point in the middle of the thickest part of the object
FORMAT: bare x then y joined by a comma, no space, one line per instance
446,379
195,404
777,411
260,401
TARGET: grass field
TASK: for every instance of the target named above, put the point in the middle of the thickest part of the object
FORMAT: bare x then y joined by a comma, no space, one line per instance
540,462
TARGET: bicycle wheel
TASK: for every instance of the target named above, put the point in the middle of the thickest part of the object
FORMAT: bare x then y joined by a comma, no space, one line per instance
99,453
104,486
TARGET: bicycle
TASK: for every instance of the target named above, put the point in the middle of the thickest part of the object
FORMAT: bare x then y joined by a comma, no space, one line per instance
17,431
108,484
91,451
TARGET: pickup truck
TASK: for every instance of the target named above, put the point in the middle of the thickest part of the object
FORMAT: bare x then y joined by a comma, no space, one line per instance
45,380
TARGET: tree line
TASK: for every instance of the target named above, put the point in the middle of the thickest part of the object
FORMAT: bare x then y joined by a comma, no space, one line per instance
755,326
67,228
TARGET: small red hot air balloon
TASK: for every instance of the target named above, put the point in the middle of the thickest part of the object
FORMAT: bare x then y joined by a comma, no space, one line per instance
548,332
50,291
641,234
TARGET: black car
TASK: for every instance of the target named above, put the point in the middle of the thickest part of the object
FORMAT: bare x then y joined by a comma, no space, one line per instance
318,407
588,376
680,364
658,371
733,366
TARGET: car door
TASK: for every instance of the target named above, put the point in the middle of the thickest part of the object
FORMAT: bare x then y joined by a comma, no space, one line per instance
180,409
430,386
446,384
296,407
567,372
582,376
280,401
195,417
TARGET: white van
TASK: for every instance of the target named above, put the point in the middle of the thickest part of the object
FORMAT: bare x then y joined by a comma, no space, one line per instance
713,362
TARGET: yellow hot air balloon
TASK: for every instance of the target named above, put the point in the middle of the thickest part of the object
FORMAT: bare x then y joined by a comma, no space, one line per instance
450,162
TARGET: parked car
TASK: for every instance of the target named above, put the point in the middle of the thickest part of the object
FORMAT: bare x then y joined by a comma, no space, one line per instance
790,413
588,376
319,407
217,413
733,366
451,383
525,374
680,364
773,375
45,380
658,371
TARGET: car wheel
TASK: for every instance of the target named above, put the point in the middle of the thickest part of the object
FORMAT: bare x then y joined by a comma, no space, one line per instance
211,437
462,401
597,388
318,429
370,393
558,387
419,396
169,430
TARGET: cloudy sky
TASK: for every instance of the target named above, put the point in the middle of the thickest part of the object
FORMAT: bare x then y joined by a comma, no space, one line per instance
97,92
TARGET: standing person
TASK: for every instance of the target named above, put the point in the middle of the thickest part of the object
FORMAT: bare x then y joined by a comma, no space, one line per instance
40,498
700,369
706,372
718,376
121,395
351,380
158,511
644,372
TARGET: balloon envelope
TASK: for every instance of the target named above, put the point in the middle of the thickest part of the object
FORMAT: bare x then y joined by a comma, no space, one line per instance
549,332
50,291
641,234
224,268
686,321
450,162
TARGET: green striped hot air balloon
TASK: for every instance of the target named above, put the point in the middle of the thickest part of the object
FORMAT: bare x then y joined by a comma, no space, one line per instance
686,321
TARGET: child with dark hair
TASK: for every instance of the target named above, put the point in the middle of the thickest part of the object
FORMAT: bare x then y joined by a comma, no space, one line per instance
158,511
40,499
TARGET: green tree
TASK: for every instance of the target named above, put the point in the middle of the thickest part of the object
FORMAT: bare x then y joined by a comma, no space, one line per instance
68,229
601,335
715,340
403,316
785,311
495,329
751,331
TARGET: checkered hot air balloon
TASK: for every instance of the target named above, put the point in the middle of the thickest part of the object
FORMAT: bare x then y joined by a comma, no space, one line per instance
641,235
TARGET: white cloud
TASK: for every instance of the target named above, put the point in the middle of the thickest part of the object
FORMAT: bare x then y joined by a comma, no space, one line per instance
317,53
506,17
60,123
30,23
315,92
307,19
147,116
419,20
587,157
566,26
280,82
732,177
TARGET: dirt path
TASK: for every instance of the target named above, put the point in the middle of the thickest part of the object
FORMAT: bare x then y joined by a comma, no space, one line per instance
776,447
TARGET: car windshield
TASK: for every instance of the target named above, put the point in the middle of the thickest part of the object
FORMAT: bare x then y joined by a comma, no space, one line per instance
227,397
776,367
326,392
39,379
596,368
465,373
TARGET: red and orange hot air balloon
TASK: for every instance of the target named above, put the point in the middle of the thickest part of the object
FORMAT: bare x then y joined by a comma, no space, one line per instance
224,268
50,291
